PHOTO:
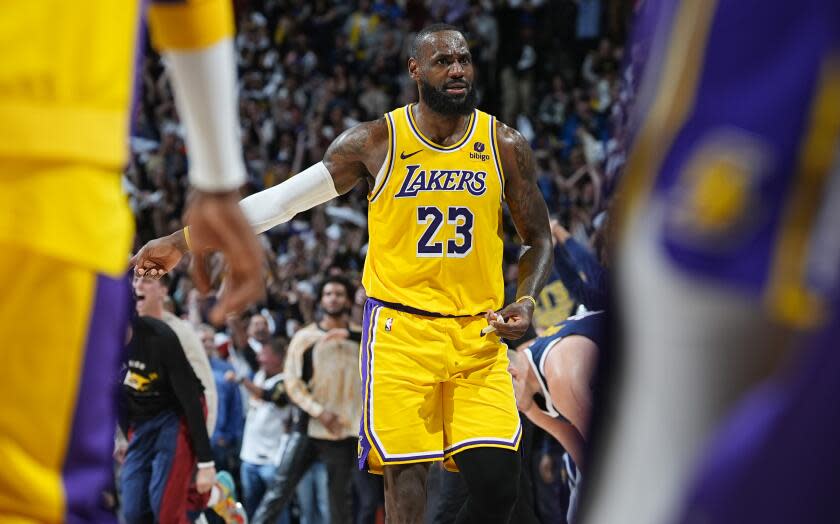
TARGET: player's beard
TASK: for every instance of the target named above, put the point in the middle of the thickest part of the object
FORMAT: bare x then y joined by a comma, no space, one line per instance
441,102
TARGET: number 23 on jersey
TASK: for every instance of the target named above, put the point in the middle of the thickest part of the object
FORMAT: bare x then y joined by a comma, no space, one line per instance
459,246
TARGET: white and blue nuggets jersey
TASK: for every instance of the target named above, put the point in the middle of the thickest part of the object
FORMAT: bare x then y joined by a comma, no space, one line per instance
591,325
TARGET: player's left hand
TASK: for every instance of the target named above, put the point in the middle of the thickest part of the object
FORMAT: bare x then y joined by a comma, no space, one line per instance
512,322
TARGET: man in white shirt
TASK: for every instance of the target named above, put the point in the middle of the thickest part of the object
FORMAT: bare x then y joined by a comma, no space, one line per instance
265,424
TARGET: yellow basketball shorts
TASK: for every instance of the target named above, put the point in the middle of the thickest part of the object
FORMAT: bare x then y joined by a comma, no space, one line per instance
62,327
433,387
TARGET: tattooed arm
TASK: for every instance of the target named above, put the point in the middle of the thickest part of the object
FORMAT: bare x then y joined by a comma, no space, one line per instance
530,216
351,157
356,154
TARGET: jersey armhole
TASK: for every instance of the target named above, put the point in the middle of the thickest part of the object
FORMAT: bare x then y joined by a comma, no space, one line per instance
388,165
496,158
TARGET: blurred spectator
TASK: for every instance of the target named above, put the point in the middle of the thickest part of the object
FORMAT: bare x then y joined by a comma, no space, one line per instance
230,420
373,99
323,379
162,402
266,425
552,110
362,29
259,332
588,24
150,295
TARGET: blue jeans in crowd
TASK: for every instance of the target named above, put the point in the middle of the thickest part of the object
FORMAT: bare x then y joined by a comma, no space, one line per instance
255,480
313,495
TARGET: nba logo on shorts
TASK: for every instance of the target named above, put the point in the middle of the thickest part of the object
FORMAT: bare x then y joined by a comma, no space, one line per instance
388,323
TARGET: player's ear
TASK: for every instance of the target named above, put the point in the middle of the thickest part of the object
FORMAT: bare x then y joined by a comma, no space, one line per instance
413,68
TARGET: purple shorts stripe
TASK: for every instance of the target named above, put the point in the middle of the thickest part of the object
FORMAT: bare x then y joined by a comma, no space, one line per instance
87,468
477,442
411,458
364,441
372,320
367,439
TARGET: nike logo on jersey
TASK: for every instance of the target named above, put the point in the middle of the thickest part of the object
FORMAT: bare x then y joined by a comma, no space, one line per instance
417,180
403,156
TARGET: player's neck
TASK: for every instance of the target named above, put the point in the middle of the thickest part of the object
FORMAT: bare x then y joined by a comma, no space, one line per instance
334,322
442,129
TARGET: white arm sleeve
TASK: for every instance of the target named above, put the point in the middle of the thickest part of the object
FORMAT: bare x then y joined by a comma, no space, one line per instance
275,205
204,83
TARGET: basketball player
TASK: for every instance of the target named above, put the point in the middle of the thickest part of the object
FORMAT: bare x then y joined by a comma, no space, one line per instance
729,246
65,229
553,378
438,173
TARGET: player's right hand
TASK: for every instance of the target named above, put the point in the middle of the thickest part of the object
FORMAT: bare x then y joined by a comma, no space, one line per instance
159,256
216,223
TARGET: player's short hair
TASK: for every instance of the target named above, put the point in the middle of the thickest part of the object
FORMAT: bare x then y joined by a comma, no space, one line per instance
426,31
337,279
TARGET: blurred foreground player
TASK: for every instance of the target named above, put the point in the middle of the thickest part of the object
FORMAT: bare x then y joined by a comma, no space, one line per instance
729,254
438,173
66,229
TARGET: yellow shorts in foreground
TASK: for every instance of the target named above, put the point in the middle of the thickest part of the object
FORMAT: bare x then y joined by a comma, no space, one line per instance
433,387
62,326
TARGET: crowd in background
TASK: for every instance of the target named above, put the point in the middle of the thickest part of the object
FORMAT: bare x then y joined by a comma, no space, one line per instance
308,70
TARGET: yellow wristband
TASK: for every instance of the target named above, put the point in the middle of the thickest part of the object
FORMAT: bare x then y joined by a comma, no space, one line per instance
529,297
187,237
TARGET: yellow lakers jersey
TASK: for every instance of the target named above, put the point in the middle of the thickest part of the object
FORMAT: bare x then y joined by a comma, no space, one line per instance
435,220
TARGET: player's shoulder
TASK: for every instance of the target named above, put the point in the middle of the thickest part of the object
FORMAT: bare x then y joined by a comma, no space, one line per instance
514,149
360,140
371,131
508,137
